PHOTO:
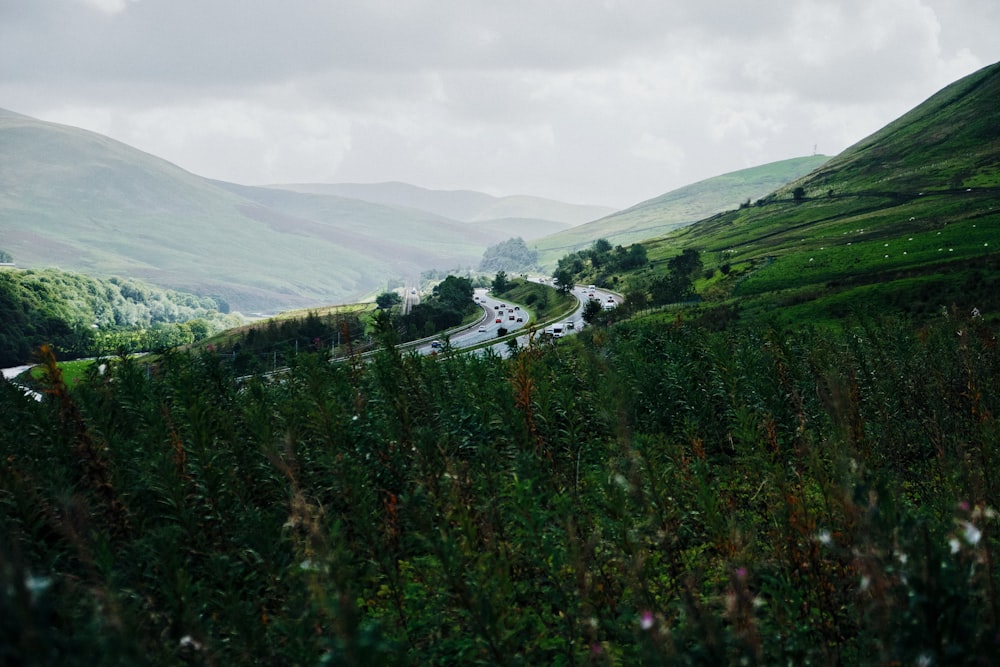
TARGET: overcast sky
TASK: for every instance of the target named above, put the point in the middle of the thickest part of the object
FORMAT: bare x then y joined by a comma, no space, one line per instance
603,102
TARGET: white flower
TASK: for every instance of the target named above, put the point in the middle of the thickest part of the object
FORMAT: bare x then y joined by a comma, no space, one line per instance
955,546
971,533
37,585
824,538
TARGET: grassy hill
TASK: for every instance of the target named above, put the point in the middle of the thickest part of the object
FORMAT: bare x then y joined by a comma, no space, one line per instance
79,201
907,220
677,208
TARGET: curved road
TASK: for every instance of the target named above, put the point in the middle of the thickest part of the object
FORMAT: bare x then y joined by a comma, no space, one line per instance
509,313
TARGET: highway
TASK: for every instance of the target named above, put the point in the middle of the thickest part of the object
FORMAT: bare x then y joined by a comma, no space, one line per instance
509,314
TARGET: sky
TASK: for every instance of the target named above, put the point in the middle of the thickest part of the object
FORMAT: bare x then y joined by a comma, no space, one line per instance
606,102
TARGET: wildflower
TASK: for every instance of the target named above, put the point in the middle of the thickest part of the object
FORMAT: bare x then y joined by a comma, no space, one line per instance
866,582
955,546
646,621
741,573
824,538
971,533
924,660
189,644
37,584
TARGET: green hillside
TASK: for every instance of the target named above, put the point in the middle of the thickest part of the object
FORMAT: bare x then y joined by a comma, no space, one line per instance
905,221
678,208
79,201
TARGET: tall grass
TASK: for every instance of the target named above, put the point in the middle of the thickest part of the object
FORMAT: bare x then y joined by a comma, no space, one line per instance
646,494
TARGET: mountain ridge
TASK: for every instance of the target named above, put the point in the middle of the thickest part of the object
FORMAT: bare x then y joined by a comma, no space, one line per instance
462,205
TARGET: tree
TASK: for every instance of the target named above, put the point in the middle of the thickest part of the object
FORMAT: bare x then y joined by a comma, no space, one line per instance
635,258
500,283
799,193
670,288
455,293
387,300
687,264
602,246
635,300
591,310
564,280
511,255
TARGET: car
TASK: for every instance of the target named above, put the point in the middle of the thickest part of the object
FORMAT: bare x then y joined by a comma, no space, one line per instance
611,299
511,317
499,320
435,344
520,319
517,307
482,329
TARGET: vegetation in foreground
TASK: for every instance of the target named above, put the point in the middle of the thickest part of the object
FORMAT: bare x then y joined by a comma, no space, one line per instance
635,495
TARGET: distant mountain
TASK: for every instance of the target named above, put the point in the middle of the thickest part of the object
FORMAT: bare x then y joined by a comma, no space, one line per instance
678,208
80,201
464,205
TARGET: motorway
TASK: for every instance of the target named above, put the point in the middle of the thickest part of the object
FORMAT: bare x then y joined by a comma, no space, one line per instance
509,313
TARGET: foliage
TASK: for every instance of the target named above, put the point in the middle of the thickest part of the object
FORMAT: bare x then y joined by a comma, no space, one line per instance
500,283
543,301
597,263
511,255
642,494
82,315
388,300
449,304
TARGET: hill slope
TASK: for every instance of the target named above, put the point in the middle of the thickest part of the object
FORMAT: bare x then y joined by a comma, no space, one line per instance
678,208
906,220
79,201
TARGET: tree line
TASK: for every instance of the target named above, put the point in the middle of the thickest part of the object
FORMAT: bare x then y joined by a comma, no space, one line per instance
82,315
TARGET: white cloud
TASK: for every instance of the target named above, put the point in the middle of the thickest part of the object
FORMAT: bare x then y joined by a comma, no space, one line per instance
586,100
107,6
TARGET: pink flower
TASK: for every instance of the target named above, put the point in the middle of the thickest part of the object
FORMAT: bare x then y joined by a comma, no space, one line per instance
646,621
